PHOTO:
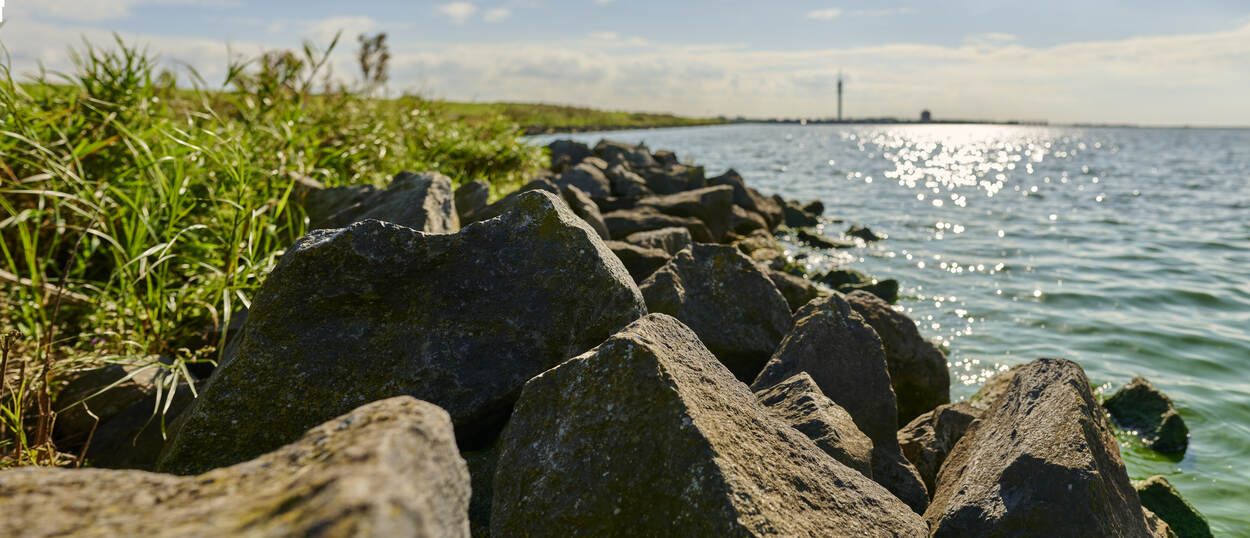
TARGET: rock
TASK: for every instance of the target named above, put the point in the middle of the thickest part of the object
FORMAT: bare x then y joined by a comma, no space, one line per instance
732,305
1041,460
842,354
670,240
918,371
471,198
586,177
585,208
994,388
849,280
641,262
712,205
673,178
482,477
621,153
626,183
648,435
798,402
862,232
107,392
499,207
665,157
1140,407
389,468
798,217
1158,496
749,199
814,207
927,440
743,222
598,163
135,437
321,204
423,202
1158,528
567,153
625,222
796,289
376,310
821,241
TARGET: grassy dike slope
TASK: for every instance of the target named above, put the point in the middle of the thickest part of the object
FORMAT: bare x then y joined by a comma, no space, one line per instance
540,118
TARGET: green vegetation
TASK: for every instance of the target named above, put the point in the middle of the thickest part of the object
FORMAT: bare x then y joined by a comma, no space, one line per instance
137,215
538,118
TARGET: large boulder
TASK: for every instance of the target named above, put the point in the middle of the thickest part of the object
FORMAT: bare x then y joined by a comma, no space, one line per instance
567,153
797,216
621,153
586,177
499,207
797,290
749,198
918,370
641,262
927,440
1042,460
648,435
843,355
584,207
389,468
850,280
471,197
712,205
1158,496
377,310
732,305
744,222
625,222
422,202
1140,407
627,183
134,438
665,157
322,203
798,402
670,240
673,178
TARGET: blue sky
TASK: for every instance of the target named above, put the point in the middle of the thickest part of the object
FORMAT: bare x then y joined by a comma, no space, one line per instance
1145,62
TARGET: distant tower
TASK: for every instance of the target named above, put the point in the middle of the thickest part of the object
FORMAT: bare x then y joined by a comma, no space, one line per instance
839,96
926,116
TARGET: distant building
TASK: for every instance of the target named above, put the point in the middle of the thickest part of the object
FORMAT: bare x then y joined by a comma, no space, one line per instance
925,116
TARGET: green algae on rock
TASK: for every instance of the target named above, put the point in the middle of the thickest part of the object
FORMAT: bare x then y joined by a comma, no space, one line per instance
377,310
1140,407
389,468
1157,494
649,435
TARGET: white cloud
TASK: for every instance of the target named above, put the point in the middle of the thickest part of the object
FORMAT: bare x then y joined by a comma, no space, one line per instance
496,14
824,14
95,10
607,36
458,11
887,12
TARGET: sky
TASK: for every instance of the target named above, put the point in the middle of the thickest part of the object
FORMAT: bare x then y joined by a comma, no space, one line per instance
1064,61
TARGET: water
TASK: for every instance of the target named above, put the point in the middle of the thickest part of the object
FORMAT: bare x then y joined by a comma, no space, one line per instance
1126,250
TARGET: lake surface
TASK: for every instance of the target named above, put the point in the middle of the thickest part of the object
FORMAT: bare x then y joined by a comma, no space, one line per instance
1127,250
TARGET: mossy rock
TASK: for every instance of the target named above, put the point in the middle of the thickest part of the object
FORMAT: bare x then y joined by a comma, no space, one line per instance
1158,495
1140,407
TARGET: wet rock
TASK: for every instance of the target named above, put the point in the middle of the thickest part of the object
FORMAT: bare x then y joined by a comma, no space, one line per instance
862,232
134,438
814,207
673,178
749,198
586,177
796,289
665,157
648,435
389,468
625,222
626,183
105,392
732,305
743,222
927,440
567,153
843,355
376,310
798,217
798,402
471,198
1041,460
1140,407
1158,495
712,205
641,262
918,370
850,280
422,202
670,240
499,207
821,241
630,155
584,207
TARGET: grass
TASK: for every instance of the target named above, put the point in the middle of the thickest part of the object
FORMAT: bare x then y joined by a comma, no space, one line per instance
540,118
139,211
